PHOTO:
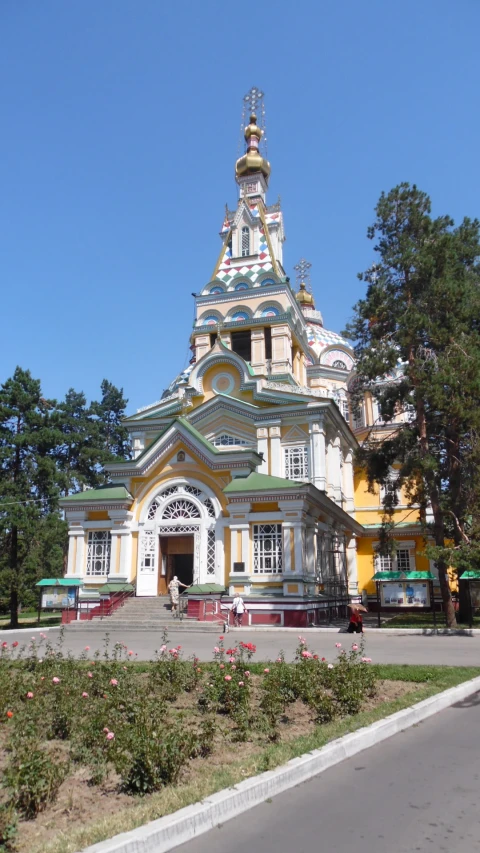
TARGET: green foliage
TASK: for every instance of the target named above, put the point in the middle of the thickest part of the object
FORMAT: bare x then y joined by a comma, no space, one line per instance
420,318
33,777
8,827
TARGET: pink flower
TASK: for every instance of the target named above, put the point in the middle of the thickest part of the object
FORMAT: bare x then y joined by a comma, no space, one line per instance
106,730
29,695
232,660
130,653
110,736
221,638
330,666
368,660
33,640
42,678
43,636
15,644
233,666
279,660
228,678
247,673
306,654
354,648
5,645
89,674
163,648
241,684
84,695
216,650
87,648
113,682
56,680
265,670
338,645
222,666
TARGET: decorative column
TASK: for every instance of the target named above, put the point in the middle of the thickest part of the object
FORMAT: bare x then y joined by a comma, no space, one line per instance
317,454
76,543
239,546
202,345
258,351
121,550
138,443
334,470
281,349
262,447
351,557
275,451
348,484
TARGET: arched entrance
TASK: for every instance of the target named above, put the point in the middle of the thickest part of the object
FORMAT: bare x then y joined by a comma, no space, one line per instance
177,537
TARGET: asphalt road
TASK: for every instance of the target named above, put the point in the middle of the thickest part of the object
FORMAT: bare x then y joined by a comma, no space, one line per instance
381,647
417,791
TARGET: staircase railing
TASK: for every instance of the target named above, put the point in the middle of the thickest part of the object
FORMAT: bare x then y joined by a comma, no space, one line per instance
109,607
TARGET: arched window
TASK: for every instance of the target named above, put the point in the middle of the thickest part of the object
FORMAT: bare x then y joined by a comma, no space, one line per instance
270,311
241,286
267,281
210,321
245,241
216,289
239,316
181,508
340,365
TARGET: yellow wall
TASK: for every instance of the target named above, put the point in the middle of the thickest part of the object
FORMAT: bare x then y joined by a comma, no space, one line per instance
365,566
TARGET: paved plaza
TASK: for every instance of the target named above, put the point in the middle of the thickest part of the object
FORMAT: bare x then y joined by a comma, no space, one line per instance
381,647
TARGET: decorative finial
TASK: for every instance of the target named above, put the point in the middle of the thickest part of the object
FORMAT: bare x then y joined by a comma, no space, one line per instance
302,270
253,98
253,131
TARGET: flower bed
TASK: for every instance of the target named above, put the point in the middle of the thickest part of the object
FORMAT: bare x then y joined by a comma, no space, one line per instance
82,737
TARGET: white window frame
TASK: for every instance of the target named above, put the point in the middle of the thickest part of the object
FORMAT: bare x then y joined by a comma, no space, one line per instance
390,486
99,549
245,232
358,416
302,451
227,440
263,533
393,565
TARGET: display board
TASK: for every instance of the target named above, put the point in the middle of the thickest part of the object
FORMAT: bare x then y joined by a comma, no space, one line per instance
58,597
405,594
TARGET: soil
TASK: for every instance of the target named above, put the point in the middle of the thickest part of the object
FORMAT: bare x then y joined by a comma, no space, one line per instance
79,803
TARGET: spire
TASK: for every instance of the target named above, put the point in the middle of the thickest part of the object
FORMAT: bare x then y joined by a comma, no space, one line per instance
304,295
252,161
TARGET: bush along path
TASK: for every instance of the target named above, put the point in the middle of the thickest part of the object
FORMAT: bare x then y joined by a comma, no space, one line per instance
79,738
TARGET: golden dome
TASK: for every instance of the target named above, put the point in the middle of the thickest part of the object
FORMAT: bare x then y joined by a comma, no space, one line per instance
303,297
252,161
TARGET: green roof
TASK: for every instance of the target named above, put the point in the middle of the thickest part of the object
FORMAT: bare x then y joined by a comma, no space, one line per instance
60,582
110,492
205,588
115,587
403,576
399,524
471,575
256,482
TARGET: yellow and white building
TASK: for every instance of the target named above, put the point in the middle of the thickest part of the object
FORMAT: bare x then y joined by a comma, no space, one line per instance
242,473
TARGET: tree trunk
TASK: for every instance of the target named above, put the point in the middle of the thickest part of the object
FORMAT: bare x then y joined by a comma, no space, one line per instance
449,609
14,578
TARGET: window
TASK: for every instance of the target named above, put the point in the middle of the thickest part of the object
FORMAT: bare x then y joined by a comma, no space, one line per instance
210,552
240,316
340,365
213,339
245,241
268,342
266,282
98,553
242,344
389,490
148,543
181,508
241,286
226,440
210,321
216,289
403,560
251,188
267,548
358,416
296,462
343,406
270,311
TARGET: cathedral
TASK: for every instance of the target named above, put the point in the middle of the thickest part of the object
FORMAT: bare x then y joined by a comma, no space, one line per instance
242,474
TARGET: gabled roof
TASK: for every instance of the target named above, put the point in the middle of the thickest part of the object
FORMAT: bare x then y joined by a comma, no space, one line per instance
256,482
109,492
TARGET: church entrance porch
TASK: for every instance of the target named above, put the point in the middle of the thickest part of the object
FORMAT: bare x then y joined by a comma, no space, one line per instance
176,558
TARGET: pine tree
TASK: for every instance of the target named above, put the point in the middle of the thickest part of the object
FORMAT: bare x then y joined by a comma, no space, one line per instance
78,450
28,477
421,318
111,437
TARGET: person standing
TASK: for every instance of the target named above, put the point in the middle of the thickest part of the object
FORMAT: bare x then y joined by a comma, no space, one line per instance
238,609
174,590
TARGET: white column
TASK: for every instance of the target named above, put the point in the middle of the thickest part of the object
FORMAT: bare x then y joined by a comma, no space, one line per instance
258,351
287,561
298,548
275,451
310,550
138,443
125,567
348,485
262,447
80,568
317,455
351,558
334,470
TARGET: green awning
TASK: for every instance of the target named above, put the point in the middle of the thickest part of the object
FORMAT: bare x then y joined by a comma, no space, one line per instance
205,588
60,582
403,576
115,587
471,575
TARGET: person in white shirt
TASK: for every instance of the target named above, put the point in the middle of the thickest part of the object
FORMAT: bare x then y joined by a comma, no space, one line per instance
238,609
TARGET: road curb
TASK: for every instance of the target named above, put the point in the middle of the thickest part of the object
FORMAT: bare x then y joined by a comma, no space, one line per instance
168,832
29,630
384,632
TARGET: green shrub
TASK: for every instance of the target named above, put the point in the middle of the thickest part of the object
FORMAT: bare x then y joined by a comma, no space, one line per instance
8,827
33,778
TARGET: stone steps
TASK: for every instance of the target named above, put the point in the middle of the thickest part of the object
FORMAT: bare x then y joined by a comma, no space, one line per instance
147,614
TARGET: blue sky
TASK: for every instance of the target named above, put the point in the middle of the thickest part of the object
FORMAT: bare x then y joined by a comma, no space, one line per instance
120,131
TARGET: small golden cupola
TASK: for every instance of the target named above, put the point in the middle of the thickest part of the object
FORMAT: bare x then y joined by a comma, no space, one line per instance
304,297
252,161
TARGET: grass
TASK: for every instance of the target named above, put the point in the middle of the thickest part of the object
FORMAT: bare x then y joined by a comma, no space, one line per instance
423,620
430,680
29,620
